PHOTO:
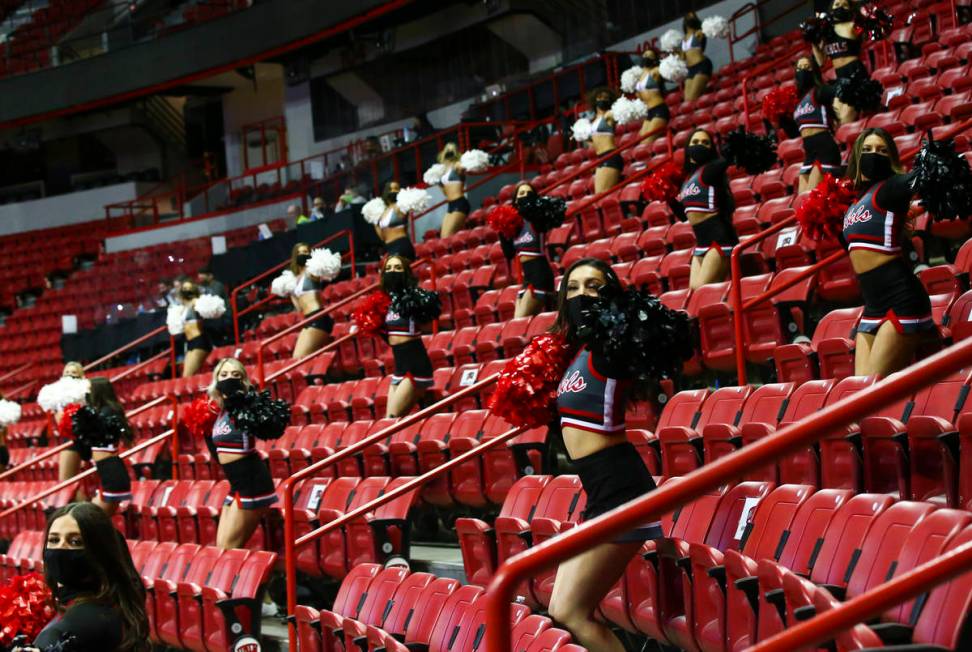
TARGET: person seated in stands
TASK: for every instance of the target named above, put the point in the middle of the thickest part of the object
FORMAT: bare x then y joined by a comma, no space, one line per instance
295,215
392,228
453,183
349,198
98,594
693,49
209,284
307,302
608,173
317,211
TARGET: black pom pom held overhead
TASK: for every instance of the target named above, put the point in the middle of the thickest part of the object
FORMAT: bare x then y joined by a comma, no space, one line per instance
416,303
543,212
753,153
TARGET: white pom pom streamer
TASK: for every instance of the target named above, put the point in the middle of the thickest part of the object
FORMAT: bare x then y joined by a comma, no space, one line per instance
210,306
283,285
373,210
413,200
61,393
625,110
324,264
433,175
475,160
9,413
582,130
630,77
673,68
715,27
175,319
670,41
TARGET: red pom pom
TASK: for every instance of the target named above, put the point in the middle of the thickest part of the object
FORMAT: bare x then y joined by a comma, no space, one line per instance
664,183
821,215
780,102
527,387
65,426
369,314
25,607
505,220
199,416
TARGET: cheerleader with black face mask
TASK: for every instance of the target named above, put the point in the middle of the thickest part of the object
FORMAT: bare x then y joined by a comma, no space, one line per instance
814,118
693,49
307,301
392,228
651,90
527,246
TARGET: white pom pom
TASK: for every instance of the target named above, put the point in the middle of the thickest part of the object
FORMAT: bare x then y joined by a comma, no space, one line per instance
175,319
413,200
673,68
625,110
582,130
630,77
283,285
475,160
715,27
670,40
373,210
61,393
324,264
433,175
9,413
210,306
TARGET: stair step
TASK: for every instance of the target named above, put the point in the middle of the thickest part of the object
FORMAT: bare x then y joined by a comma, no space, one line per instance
442,560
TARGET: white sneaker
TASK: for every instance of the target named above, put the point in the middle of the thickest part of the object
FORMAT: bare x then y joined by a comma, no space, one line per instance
269,609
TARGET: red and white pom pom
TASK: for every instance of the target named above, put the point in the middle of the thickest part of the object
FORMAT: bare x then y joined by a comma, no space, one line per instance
175,319
65,426
673,68
199,417
630,78
505,220
582,130
413,200
26,607
670,41
475,160
61,393
821,215
370,313
664,182
9,412
324,264
625,110
373,210
210,306
526,391
433,175
779,103
284,285
715,27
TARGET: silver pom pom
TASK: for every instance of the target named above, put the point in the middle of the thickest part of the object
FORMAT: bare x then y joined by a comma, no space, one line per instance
670,41
475,160
715,27
630,77
373,210
9,413
283,285
413,200
582,130
210,306
175,319
625,110
324,264
61,393
673,68
433,175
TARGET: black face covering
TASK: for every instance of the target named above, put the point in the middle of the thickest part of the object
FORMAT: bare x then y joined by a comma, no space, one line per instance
649,62
691,23
302,259
188,295
72,571
390,197
876,167
517,200
603,105
577,306
699,154
394,281
804,80
230,387
842,14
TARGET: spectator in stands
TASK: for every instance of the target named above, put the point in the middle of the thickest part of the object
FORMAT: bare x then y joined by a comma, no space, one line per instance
349,198
251,487
453,184
693,49
591,402
393,226
651,90
608,173
706,202
98,594
199,340
814,118
209,284
897,310
307,302
295,214
842,45
527,247
317,212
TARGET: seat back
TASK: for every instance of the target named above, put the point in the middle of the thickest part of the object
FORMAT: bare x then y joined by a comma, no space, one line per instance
767,404
773,517
836,323
354,587
734,514
683,409
844,536
157,558
941,620
723,406
450,618
397,614
808,528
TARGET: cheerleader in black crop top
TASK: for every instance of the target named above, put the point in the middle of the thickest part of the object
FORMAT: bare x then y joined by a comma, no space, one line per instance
453,184
840,43
392,228
651,90
814,117
199,341
608,172
896,305
307,301
693,49
528,248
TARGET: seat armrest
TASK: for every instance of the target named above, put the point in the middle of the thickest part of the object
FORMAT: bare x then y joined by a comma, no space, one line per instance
806,612
750,588
718,573
893,633
839,592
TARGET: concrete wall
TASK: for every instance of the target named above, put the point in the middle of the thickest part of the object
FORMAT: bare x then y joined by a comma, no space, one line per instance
71,208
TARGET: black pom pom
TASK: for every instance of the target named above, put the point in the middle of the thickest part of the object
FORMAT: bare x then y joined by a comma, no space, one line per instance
859,91
634,332
415,303
544,213
943,181
815,28
874,22
261,415
753,153
94,429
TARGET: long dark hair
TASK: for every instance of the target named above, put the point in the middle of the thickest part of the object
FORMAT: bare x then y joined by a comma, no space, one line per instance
410,280
102,396
814,68
119,584
854,158
725,194
611,287
520,184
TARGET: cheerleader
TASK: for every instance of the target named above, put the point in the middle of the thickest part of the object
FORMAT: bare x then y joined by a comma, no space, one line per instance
528,247
814,118
307,302
199,341
68,461
9,415
651,90
392,228
608,173
840,42
73,370
453,182
693,50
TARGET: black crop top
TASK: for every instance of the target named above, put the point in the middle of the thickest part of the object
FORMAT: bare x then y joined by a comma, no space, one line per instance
702,191
874,221
836,46
94,627
591,396
814,108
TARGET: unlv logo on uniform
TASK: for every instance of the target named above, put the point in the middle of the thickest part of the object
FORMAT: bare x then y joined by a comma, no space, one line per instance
572,383
803,110
247,644
860,214
690,190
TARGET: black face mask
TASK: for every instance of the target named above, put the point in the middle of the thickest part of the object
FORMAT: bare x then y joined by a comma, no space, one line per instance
394,281
876,167
390,197
230,387
577,307
72,570
649,62
804,80
302,259
519,199
691,23
699,154
841,14
603,105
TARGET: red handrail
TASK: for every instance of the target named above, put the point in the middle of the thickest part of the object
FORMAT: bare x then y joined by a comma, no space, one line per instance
330,346
758,24
671,495
25,386
234,301
290,534
133,344
10,374
141,365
